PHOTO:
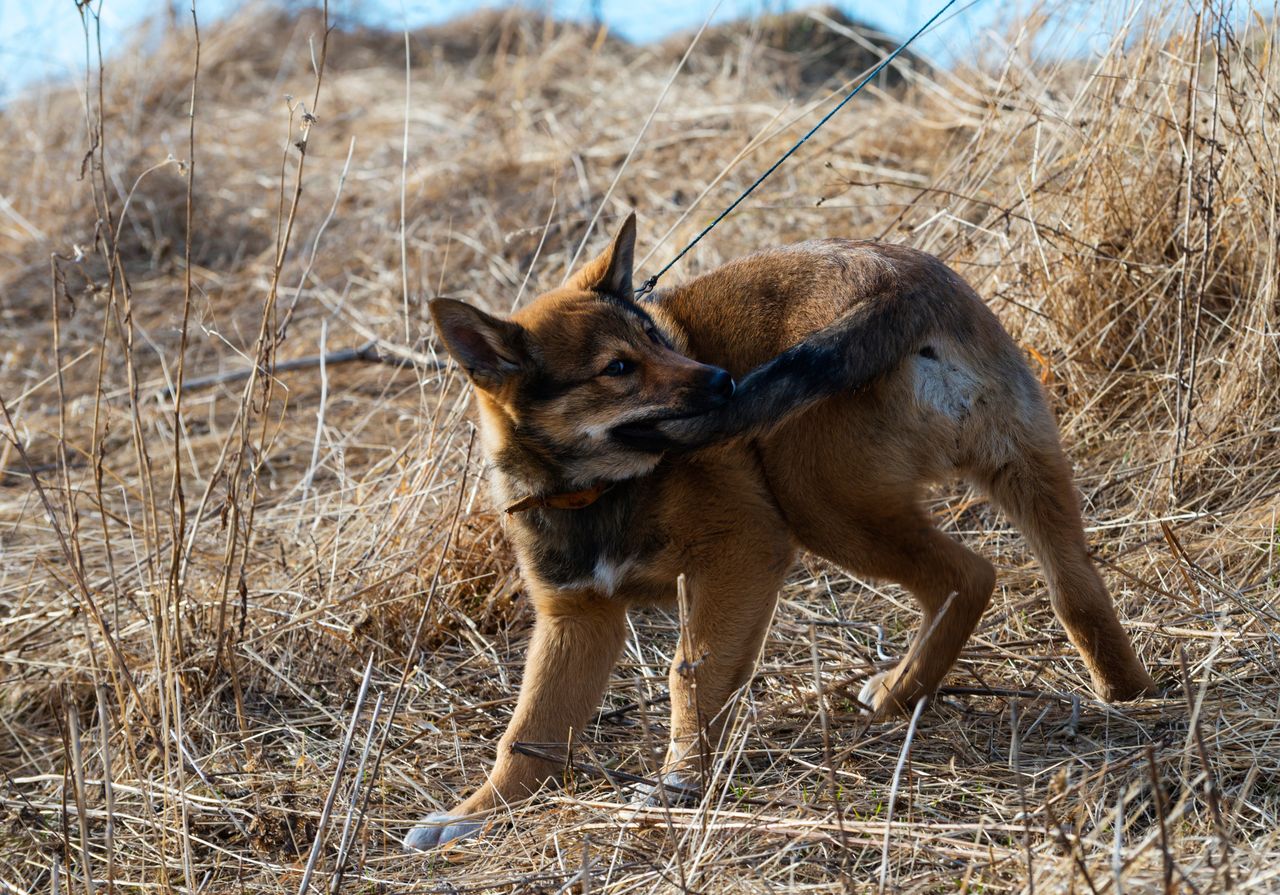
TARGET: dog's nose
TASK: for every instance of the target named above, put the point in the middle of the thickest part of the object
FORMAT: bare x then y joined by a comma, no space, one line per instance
721,384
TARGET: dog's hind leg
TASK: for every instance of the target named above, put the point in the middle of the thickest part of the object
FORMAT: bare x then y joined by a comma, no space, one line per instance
576,641
1036,491
951,583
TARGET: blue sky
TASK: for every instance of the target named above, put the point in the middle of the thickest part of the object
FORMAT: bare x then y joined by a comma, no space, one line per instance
43,40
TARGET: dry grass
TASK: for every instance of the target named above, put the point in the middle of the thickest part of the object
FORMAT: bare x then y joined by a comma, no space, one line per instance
189,598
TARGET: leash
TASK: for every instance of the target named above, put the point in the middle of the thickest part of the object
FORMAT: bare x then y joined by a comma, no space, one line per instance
648,284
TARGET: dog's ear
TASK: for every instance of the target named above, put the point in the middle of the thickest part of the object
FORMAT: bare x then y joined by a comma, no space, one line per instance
610,271
489,349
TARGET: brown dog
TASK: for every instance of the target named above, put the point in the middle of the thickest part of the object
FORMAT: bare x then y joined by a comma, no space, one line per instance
625,458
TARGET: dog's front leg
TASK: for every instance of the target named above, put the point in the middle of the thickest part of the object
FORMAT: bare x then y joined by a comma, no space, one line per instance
721,633
576,641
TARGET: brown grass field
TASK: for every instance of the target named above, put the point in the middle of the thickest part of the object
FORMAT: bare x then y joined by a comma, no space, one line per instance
262,626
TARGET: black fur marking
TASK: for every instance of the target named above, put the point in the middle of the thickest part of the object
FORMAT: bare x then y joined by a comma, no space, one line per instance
843,356
812,365
630,307
570,544
927,351
642,438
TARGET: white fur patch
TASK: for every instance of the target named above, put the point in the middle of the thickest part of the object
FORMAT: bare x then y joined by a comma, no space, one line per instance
609,575
440,829
945,386
605,578
676,790
867,695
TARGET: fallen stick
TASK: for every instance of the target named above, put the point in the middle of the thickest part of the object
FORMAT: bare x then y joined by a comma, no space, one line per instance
371,352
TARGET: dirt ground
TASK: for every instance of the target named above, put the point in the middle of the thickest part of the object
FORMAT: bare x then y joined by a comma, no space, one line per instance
257,616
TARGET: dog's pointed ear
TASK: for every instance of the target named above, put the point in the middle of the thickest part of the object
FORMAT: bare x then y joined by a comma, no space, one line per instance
610,271
489,349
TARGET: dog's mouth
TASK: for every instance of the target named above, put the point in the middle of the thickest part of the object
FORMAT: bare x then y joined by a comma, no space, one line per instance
643,435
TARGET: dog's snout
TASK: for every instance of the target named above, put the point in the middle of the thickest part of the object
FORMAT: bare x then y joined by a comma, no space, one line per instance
721,384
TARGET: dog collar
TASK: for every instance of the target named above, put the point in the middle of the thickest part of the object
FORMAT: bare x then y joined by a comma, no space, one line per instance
568,500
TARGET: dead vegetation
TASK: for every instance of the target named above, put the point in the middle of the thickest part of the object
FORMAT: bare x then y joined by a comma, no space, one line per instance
248,636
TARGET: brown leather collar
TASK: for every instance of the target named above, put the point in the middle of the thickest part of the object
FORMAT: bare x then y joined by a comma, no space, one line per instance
569,500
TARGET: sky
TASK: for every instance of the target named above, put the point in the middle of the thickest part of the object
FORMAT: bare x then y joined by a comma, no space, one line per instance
44,40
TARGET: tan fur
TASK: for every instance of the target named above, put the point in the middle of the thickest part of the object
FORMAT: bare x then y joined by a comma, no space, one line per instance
842,478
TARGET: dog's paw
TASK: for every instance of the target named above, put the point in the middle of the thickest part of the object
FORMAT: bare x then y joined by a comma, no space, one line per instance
438,829
1136,684
678,792
874,695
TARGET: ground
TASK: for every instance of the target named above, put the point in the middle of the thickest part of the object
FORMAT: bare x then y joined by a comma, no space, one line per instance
279,617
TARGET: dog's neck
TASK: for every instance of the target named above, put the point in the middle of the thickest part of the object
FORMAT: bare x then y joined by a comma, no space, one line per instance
565,531
528,477
529,473
525,465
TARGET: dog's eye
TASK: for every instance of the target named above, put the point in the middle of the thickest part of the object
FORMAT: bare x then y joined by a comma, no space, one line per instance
618,367
652,333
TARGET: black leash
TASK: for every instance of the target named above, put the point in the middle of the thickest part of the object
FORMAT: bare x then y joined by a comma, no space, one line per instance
648,284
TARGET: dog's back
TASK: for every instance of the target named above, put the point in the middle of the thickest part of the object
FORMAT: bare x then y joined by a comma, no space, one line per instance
957,400
848,472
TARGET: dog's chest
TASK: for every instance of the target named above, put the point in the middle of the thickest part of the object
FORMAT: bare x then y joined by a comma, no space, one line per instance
595,548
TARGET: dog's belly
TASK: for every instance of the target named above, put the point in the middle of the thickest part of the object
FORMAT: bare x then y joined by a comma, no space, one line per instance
856,454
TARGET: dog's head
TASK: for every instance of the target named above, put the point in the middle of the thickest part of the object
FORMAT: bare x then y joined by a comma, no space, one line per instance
580,377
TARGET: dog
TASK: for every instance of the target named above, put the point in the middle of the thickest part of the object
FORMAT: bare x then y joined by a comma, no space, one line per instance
798,398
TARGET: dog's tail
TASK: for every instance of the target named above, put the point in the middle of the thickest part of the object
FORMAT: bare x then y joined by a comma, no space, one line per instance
859,347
